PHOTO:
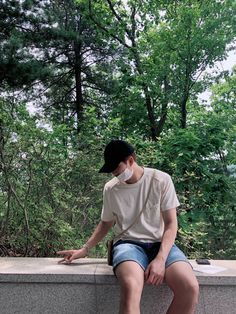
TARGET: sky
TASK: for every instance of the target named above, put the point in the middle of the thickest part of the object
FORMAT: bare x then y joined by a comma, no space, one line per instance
224,65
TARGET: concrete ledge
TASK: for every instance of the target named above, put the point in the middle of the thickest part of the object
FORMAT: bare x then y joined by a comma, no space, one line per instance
41,285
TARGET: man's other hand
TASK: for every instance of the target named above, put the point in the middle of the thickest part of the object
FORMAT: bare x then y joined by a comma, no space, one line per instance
70,255
155,272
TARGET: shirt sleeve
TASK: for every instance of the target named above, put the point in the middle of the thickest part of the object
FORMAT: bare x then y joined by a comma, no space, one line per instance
106,214
169,198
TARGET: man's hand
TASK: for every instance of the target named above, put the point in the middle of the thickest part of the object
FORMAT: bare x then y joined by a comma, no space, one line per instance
155,272
70,255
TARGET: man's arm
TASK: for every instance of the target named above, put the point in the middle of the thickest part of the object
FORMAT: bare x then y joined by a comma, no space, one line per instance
155,271
169,235
99,233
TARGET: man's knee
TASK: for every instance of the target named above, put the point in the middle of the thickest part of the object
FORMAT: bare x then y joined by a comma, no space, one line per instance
131,283
183,282
193,290
189,291
130,276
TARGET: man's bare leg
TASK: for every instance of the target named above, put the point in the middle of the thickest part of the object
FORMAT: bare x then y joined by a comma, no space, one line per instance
131,278
180,278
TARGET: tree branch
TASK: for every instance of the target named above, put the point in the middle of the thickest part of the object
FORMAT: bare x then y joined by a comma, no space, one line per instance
105,29
118,17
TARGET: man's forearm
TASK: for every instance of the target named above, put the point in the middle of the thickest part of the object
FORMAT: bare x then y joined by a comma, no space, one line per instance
99,233
168,240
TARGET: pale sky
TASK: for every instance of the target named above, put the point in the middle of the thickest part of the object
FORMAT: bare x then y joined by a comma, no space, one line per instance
219,66
225,65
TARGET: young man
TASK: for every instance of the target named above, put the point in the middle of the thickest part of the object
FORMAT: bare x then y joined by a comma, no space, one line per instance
146,252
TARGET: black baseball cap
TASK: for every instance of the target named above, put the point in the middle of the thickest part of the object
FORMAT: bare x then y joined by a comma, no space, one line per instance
115,152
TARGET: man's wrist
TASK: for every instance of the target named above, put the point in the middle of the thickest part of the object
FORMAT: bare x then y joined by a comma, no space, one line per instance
160,258
87,248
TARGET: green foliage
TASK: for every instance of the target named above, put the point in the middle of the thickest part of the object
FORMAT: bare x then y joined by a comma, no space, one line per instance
199,159
100,70
50,196
164,49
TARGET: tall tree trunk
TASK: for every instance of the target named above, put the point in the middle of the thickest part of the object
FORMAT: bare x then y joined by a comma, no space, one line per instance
156,128
184,111
79,101
151,115
186,89
148,99
164,108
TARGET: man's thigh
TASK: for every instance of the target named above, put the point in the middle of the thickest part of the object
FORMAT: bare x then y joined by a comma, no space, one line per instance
179,276
130,274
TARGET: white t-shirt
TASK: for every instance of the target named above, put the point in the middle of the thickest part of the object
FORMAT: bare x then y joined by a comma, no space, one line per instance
122,202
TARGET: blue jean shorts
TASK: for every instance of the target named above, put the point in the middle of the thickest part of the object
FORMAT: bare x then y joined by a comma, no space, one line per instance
143,253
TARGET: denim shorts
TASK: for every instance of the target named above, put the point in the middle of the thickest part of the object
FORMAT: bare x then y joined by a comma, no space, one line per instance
143,253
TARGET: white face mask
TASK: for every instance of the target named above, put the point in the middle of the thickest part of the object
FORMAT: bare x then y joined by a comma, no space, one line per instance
125,175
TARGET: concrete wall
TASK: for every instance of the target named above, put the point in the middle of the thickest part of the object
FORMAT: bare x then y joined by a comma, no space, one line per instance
41,285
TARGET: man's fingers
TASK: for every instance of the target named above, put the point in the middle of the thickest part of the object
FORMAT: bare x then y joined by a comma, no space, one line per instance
67,256
63,252
66,260
153,279
146,274
146,277
61,261
150,279
157,281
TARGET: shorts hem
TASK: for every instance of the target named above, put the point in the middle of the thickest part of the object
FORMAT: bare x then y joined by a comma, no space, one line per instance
180,260
132,260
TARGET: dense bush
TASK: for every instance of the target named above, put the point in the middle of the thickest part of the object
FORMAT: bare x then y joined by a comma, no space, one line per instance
51,194
94,70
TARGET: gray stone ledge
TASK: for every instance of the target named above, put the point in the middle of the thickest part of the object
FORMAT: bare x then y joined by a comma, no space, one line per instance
88,286
90,271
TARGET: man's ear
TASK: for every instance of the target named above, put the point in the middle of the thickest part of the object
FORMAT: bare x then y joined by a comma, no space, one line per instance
131,160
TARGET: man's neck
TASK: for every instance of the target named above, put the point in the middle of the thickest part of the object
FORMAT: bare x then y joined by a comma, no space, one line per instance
137,174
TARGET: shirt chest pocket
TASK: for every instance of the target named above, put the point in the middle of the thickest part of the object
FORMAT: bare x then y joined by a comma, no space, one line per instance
151,214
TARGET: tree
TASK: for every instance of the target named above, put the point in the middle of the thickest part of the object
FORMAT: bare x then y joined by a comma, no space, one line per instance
50,196
63,57
18,67
166,47
200,159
